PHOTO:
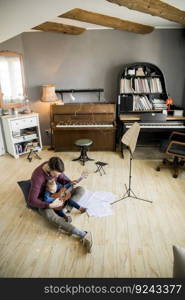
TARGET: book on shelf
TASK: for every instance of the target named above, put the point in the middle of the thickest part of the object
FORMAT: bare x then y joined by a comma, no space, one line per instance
140,85
155,85
26,147
141,103
159,104
126,86
126,103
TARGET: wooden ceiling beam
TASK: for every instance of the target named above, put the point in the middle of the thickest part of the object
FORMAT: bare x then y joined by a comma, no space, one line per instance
104,20
58,27
154,8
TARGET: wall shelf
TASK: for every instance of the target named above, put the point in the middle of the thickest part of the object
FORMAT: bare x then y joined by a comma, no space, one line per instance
61,92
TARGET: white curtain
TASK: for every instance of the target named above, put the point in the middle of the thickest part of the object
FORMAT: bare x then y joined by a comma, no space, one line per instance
11,79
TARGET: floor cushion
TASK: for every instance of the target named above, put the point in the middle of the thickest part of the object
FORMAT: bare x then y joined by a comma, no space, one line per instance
25,186
179,262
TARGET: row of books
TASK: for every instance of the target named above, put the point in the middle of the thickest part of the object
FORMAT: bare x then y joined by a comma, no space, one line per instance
140,85
143,103
24,147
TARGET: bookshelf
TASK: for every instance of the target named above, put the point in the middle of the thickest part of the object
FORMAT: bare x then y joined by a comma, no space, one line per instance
141,89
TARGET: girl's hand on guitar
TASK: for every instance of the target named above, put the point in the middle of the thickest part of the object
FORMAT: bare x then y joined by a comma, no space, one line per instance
82,176
74,182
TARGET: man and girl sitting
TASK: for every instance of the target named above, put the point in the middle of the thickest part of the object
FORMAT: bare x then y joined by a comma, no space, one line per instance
52,208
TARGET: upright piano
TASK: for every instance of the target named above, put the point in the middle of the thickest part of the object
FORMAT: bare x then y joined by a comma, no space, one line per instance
95,121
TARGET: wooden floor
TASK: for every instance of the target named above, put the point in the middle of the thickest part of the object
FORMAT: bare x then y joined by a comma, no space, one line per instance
136,241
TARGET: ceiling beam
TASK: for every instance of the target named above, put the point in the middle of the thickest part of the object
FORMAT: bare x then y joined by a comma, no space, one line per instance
58,27
154,8
104,20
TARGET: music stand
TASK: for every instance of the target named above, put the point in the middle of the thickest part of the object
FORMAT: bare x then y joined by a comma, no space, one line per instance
129,139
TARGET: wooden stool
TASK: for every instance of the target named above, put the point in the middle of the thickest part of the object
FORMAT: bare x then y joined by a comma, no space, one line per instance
83,144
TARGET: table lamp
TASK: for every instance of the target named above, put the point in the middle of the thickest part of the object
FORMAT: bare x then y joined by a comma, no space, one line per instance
169,102
48,93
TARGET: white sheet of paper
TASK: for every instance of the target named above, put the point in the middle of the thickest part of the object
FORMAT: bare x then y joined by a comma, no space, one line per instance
97,203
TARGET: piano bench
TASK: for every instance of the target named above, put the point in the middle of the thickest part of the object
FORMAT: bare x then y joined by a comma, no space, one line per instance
83,144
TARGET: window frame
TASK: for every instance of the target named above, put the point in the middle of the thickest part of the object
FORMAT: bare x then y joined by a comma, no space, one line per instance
14,104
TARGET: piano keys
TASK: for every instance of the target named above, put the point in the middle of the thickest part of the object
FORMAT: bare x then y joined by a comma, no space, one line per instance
84,125
152,132
164,126
95,121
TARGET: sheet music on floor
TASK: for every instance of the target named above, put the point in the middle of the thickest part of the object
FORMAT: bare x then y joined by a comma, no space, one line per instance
98,204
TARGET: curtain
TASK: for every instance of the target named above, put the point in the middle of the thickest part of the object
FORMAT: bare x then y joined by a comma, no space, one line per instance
11,79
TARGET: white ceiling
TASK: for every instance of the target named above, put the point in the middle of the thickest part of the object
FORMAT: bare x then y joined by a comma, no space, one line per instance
21,15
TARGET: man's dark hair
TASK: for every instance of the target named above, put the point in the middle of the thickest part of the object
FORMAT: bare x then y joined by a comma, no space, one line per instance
56,164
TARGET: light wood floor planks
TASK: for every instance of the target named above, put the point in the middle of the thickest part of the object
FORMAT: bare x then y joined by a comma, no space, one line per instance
136,241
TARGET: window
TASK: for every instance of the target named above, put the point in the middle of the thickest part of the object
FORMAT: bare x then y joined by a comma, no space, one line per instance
12,87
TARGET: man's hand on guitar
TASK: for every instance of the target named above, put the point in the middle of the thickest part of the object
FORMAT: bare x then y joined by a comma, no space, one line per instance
62,204
66,196
57,204
62,200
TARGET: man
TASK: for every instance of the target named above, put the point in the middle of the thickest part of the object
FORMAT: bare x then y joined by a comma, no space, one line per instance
54,168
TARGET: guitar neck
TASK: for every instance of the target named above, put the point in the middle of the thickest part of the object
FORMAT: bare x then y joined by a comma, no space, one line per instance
71,187
79,179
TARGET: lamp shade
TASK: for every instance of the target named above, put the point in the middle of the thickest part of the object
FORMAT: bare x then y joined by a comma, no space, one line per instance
48,93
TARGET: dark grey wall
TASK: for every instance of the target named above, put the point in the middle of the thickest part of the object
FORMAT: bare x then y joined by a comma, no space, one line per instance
95,59
15,45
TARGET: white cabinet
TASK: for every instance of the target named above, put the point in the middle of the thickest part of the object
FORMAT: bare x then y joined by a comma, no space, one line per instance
20,132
